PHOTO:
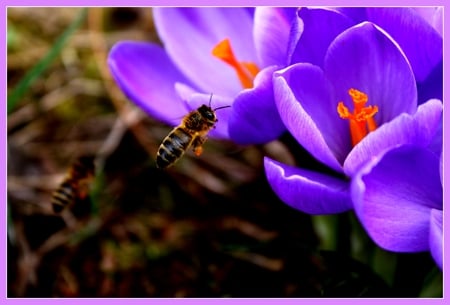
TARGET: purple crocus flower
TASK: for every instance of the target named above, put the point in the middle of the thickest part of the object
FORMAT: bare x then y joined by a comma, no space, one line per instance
433,15
316,108
206,50
416,31
398,198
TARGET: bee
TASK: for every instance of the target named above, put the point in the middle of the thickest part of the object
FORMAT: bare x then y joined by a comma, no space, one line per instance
191,132
75,185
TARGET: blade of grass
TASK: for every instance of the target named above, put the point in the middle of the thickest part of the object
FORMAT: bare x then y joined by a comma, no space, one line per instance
325,228
44,63
433,285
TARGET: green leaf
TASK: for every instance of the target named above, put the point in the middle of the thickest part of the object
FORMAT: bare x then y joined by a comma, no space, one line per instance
23,85
433,284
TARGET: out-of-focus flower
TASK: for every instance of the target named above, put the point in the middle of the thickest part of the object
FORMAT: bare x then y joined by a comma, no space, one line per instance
362,103
398,198
206,50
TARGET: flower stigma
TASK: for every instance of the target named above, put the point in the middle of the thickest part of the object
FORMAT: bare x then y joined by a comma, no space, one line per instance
361,120
246,71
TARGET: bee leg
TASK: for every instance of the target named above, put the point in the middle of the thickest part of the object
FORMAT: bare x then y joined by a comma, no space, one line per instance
197,145
198,150
83,191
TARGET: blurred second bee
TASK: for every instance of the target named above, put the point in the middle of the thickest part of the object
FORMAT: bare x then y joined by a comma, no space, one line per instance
75,185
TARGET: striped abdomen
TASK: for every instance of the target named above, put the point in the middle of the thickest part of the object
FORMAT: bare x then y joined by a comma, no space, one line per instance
173,147
76,183
63,196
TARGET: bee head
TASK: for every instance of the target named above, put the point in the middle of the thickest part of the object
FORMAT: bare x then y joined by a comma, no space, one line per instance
83,166
207,113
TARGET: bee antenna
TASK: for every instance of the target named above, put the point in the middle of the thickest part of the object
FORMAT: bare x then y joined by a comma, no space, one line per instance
228,106
210,99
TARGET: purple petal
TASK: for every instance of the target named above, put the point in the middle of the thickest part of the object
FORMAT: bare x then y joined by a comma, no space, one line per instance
438,20
356,14
432,86
184,91
419,129
302,95
394,195
421,43
190,34
254,117
271,32
147,76
436,236
433,15
365,58
221,128
307,191
438,138
316,28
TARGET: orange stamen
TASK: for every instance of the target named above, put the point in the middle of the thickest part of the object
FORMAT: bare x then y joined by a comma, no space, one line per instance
246,71
361,119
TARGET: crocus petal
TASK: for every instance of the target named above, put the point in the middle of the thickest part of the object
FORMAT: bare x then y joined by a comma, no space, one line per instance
254,116
438,138
190,34
432,86
184,91
419,129
393,197
433,15
438,20
365,58
307,191
436,236
421,43
302,96
147,76
214,101
316,28
271,34
357,14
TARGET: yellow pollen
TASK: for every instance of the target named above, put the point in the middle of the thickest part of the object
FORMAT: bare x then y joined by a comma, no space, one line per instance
246,71
361,119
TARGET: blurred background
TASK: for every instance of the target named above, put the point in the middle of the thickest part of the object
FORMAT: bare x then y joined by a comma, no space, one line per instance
207,227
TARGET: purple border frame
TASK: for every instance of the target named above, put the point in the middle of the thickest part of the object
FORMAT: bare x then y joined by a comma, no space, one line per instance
100,3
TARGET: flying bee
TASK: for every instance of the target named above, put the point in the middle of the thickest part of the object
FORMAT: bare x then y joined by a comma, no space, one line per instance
191,132
75,185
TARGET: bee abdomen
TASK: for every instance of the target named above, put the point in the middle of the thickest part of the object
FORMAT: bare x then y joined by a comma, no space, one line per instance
173,147
63,196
